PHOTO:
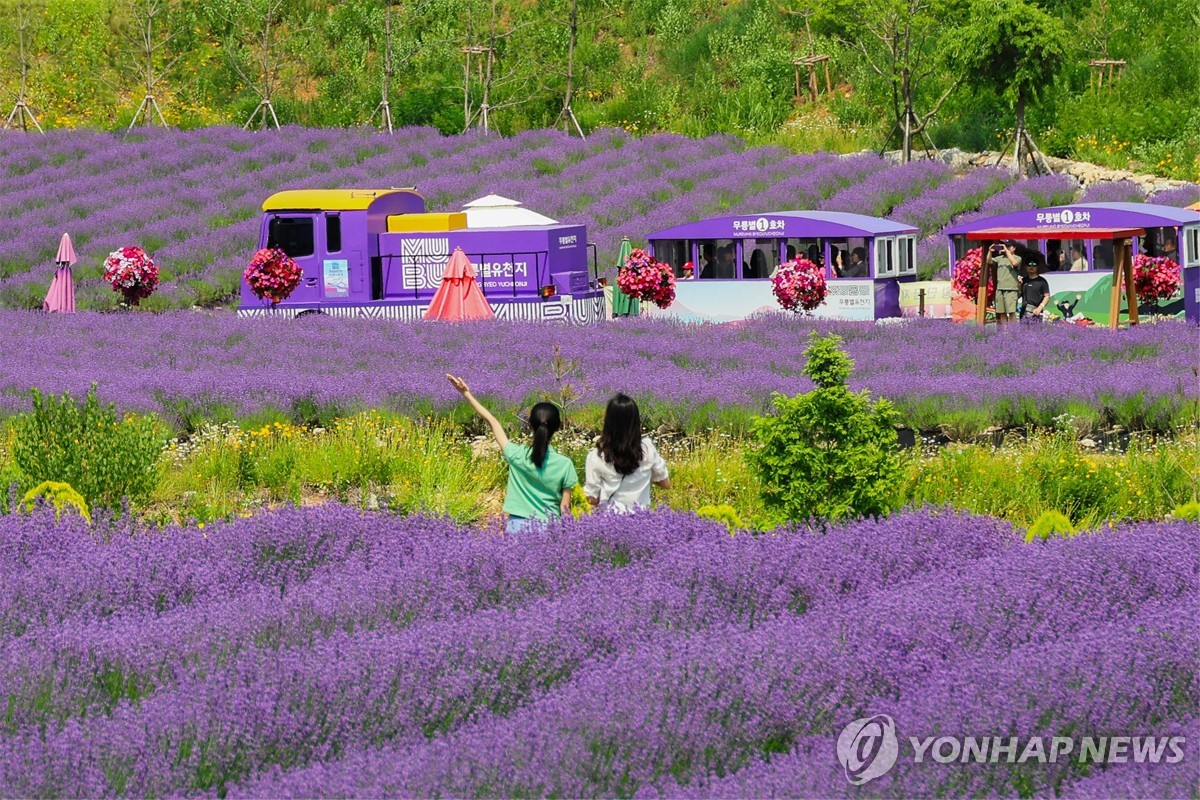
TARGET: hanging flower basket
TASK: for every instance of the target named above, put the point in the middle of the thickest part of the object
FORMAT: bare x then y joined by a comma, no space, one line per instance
800,285
1156,278
272,275
131,272
643,278
965,280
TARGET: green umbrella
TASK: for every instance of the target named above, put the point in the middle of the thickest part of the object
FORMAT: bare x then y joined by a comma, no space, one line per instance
622,304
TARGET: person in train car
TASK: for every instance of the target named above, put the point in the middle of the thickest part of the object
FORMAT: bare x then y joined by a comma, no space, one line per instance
1078,262
708,265
857,268
725,266
758,265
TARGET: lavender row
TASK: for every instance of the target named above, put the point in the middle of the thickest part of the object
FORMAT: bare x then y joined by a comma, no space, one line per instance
63,573
707,579
220,361
1131,677
710,703
355,689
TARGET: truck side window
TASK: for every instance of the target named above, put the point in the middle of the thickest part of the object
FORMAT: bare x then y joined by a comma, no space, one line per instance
293,235
333,233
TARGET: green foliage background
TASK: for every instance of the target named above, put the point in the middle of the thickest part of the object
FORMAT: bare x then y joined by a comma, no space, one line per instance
689,66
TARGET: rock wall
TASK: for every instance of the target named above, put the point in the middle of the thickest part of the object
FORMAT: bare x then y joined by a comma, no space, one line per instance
1083,172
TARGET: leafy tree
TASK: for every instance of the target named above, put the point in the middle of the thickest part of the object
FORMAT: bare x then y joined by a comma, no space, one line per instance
830,453
1014,48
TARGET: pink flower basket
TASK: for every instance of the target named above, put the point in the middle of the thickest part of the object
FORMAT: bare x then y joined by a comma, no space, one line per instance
131,272
800,285
643,278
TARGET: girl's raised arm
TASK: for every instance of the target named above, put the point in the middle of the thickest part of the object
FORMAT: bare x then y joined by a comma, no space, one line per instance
465,391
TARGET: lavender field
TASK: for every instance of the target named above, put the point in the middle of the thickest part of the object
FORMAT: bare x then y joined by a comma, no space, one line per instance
217,366
192,198
333,653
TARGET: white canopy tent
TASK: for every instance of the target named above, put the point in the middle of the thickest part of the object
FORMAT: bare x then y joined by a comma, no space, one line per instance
494,211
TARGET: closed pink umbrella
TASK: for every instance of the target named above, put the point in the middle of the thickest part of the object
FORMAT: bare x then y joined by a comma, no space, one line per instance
459,297
61,297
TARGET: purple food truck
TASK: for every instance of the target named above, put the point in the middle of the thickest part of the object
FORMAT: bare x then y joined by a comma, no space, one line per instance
1079,245
378,253
733,259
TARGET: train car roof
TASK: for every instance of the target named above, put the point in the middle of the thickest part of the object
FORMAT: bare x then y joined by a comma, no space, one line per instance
787,224
331,199
1097,215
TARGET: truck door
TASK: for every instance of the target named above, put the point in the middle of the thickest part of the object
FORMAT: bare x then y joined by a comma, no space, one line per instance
296,234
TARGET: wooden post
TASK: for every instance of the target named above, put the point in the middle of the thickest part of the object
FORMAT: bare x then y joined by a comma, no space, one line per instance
985,266
1114,299
828,83
1130,286
920,302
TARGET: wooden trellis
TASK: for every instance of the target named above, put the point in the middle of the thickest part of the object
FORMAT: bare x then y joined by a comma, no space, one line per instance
810,63
1102,65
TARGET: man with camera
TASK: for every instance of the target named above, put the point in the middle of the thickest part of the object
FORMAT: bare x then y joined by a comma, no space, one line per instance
1008,280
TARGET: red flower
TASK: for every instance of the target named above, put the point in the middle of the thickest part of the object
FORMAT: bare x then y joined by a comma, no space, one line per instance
272,274
644,278
965,280
1156,278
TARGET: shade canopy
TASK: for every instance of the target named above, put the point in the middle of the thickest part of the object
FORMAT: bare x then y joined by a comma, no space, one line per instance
1077,216
494,211
995,234
459,297
66,251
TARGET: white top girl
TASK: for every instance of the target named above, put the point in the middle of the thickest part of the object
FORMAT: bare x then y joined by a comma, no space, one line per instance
612,491
619,471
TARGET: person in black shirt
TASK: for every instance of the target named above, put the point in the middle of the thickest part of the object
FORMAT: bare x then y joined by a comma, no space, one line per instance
1035,292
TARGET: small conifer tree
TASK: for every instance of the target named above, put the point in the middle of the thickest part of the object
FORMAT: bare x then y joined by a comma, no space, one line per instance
830,453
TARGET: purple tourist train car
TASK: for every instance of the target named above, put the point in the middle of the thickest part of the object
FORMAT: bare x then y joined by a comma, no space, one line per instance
734,257
378,253
1076,246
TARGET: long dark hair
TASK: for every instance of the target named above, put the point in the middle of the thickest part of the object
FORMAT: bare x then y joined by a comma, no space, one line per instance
545,421
621,439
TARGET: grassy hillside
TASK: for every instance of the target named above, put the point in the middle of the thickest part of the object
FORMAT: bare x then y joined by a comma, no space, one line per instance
686,66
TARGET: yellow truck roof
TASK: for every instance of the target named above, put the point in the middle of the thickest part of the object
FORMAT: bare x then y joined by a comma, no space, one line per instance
328,199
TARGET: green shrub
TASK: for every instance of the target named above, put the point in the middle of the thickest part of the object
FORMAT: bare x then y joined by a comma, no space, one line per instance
725,514
1189,511
60,495
1050,523
86,445
830,453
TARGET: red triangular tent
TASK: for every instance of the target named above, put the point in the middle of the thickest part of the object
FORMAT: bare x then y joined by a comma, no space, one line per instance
459,297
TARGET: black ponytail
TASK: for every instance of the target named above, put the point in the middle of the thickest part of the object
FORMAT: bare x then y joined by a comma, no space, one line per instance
545,422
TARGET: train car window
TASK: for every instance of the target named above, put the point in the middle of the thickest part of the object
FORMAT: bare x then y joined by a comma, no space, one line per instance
1102,255
717,259
760,257
293,235
1066,255
675,252
1191,246
907,247
885,256
333,233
